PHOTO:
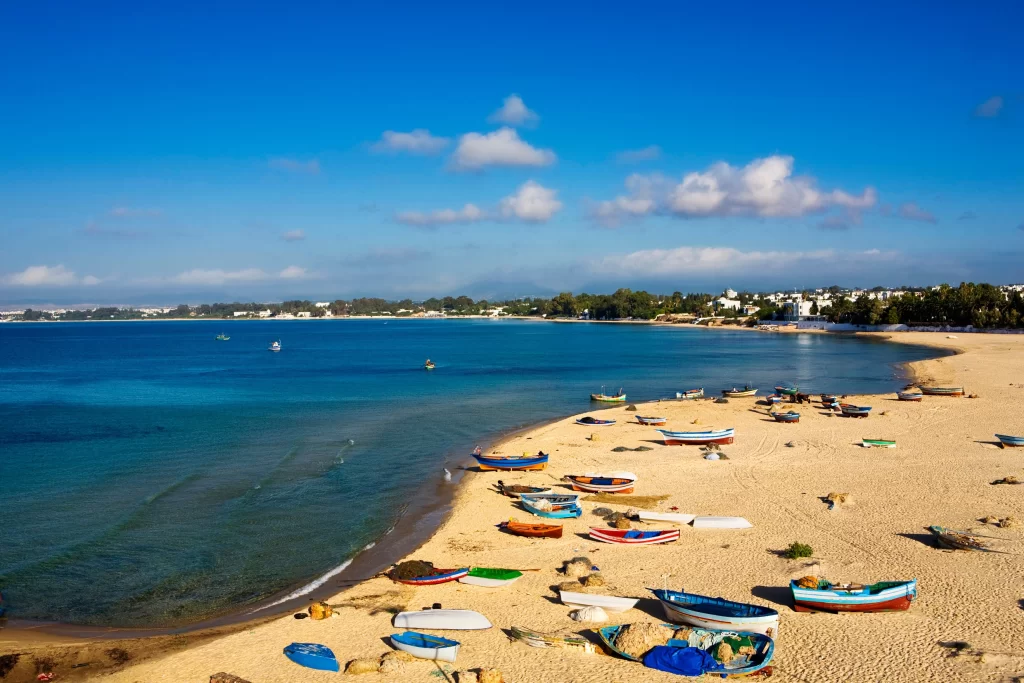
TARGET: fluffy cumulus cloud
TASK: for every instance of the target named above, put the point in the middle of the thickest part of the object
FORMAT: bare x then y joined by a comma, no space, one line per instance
913,212
470,213
418,141
531,202
293,235
48,276
632,156
764,188
311,166
990,108
502,147
218,276
514,112
293,273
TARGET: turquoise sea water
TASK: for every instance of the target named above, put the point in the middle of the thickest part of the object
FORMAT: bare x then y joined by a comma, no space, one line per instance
150,475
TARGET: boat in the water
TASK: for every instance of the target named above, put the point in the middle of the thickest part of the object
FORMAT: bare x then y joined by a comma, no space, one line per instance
488,577
787,390
544,509
510,462
884,596
531,530
690,394
719,436
424,646
438,576
608,603
942,391
634,536
555,500
878,443
790,417
429,365
651,421
761,649
275,346
739,393
442,620
910,395
613,482
594,422
1010,441
673,517
516,490
717,613
569,641
712,522
954,539
222,337
312,656
850,410
619,397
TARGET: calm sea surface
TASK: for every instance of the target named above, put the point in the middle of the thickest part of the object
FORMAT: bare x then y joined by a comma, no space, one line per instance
150,475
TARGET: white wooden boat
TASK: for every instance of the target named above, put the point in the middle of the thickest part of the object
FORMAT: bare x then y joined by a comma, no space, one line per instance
674,517
442,620
424,646
721,523
597,482
488,577
608,603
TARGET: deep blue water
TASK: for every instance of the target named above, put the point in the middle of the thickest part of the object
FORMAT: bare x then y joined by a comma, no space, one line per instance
152,475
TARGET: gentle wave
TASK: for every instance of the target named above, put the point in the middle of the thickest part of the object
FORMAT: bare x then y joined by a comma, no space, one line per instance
308,588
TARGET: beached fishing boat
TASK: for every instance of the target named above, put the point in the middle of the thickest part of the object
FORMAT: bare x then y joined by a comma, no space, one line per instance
594,422
953,539
717,613
442,620
651,421
786,390
634,536
788,418
531,530
569,641
714,522
613,482
608,603
490,578
275,346
438,576
423,646
878,443
719,436
910,395
1010,441
763,648
510,462
312,656
772,399
942,391
429,365
570,512
222,337
673,517
555,500
606,398
516,490
690,394
884,596
829,398
739,393
850,410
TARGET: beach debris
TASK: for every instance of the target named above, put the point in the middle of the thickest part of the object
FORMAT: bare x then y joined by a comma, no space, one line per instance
593,580
637,639
834,499
8,662
320,610
489,676
300,615
712,456
47,676
1006,480
362,666
721,399
973,396
595,437
571,586
603,512
1007,523
618,520
394,662
577,567
592,614
620,449
631,408
466,677
796,550
989,520
951,539
411,569
118,655
223,677
711,447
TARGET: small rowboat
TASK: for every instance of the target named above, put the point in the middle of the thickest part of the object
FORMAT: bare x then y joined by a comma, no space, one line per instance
442,620
490,578
538,639
850,410
673,517
772,399
690,394
719,436
312,656
594,422
1010,441
555,500
878,443
942,391
717,613
439,576
829,398
570,512
789,418
764,648
608,603
634,536
425,646
516,490
885,596
614,482
511,462
605,398
952,539
651,421
909,395
429,365
531,530
786,390
739,393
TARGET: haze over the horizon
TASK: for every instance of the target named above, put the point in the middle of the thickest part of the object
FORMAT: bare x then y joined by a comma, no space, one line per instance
196,152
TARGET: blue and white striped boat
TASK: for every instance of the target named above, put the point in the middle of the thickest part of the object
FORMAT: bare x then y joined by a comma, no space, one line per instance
570,512
717,613
425,646
1012,441
885,596
850,410
556,500
502,462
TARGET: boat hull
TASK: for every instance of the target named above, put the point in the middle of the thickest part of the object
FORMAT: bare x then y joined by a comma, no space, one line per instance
442,620
619,536
312,656
1010,441
739,394
764,647
690,394
606,602
538,639
489,464
787,419
942,391
719,614
532,530
909,396
893,599
571,512
651,421
423,646
878,443
721,437
442,576
608,399
596,423
597,485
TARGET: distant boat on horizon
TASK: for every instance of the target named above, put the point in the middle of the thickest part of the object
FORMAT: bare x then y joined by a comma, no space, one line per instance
222,337
275,346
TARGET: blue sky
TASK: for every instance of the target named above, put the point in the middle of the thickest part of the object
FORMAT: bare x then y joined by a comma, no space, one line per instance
183,152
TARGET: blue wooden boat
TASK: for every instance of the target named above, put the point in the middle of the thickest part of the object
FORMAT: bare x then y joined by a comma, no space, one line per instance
594,422
1011,441
850,410
717,613
556,500
312,656
569,512
909,395
789,418
425,646
885,596
511,462
705,639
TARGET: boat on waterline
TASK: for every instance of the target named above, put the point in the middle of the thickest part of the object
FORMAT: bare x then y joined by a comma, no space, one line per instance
850,410
222,337
555,500
884,596
717,613
589,421
275,346
953,539
606,398
488,577
942,391
651,421
531,530
910,395
438,576
429,365
739,393
690,394
569,512
312,656
634,536
613,482
608,603
763,646
719,436
442,620
492,462
1010,441
423,646
788,418
786,390
878,443
557,640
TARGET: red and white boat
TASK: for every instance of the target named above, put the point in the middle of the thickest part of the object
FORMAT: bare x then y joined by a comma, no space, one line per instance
634,536
719,436
651,421
613,482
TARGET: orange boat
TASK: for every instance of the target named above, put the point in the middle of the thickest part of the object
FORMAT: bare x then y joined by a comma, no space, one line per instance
531,530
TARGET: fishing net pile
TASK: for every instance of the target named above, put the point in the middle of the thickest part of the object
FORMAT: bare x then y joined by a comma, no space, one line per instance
637,639
577,567
811,582
412,569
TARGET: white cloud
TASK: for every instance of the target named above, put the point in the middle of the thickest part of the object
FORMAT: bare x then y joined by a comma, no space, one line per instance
294,235
990,108
129,212
293,273
531,202
48,276
217,276
514,112
470,213
418,141
312,167
913,212
632,156
503,147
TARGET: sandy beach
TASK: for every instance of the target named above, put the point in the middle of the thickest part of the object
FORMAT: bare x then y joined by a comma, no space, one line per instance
775,476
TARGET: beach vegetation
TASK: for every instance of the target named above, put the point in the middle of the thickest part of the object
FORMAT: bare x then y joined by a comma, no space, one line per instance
797,550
